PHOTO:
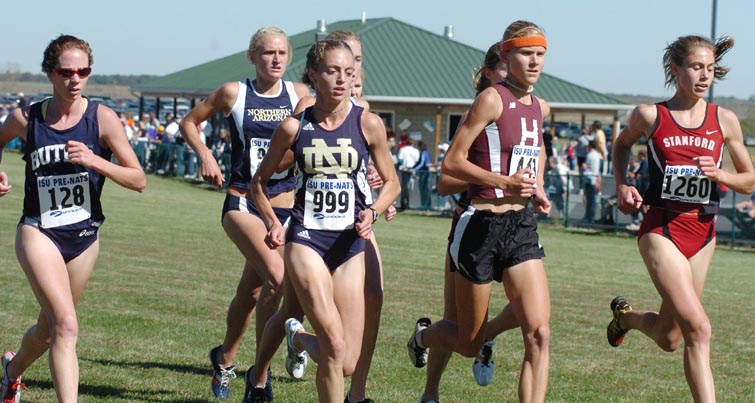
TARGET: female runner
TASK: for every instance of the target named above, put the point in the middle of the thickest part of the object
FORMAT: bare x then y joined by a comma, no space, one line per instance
685,138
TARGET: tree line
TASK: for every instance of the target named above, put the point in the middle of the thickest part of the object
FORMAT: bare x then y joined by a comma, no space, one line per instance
101,79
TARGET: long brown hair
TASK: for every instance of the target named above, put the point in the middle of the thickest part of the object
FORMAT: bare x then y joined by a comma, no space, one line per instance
678,50
492,57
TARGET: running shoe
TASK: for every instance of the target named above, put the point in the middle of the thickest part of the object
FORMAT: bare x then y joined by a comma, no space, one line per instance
253,394
429,401
483,367
417,354
11,389
346,400
221,377
296,361
619,307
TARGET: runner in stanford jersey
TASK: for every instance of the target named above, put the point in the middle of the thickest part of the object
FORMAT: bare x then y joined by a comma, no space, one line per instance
685,139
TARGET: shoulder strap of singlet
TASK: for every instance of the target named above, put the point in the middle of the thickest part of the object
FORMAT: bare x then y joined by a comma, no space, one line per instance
301,123
660,108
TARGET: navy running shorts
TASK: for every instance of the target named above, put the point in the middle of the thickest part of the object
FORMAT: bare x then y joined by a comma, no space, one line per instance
70,242
335,247
236,203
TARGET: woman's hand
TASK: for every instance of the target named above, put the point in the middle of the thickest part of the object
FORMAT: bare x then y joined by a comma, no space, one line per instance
276,236
540,203
364,225
4,186
80,154
628,198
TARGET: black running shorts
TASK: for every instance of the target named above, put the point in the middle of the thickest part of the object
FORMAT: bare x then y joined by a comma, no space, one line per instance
484,244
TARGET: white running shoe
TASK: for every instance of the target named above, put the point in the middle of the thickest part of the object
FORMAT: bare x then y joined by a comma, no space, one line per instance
417,354
11,389
296,361
483,367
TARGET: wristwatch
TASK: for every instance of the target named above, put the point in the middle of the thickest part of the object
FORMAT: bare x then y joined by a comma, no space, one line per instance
375,215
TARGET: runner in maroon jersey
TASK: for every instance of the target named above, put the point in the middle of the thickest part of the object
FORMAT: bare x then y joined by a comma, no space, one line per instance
497,150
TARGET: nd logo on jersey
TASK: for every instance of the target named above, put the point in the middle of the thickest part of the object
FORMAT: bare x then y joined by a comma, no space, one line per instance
320,159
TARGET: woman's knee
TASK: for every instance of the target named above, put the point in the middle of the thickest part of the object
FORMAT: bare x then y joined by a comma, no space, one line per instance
698,332
537,337
274,287
272,280
334,347
67,327
694,332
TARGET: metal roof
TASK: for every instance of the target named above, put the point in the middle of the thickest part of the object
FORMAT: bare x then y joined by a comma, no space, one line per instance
403,63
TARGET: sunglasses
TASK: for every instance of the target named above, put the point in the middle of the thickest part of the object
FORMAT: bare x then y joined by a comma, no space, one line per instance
83,72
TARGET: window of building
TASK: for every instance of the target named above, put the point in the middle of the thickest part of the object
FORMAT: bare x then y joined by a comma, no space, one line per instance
453,124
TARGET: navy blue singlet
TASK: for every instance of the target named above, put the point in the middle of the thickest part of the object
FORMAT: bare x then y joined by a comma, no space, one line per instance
57,192
328,195
252,120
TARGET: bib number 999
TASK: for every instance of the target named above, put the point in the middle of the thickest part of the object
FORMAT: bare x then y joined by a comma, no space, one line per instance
329,202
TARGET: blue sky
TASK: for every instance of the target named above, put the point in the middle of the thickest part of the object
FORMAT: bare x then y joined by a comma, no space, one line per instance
604,45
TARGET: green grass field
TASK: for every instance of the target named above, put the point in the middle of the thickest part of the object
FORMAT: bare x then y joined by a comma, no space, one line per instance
166,273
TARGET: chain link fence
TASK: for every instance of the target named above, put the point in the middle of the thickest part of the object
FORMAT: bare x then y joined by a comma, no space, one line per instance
567,197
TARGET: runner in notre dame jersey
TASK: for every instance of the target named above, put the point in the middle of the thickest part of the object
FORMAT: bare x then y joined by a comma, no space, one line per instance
273,333
330,221
69,144
254,109
497,150
685,139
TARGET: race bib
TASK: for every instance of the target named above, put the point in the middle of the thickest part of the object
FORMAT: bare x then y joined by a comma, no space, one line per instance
257,151
525,157
685,183
64,199
329,204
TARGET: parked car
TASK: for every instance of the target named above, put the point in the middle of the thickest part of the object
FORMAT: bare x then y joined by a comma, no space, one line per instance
564,129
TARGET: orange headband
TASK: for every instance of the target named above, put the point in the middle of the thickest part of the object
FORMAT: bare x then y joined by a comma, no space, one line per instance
524,41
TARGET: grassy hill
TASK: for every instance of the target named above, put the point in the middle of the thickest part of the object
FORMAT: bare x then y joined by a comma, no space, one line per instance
744,108
31,88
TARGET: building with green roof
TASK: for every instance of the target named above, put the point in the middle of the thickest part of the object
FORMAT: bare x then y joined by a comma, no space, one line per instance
416,80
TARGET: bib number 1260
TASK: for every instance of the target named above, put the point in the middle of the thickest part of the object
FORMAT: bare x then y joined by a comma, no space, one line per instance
685,184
